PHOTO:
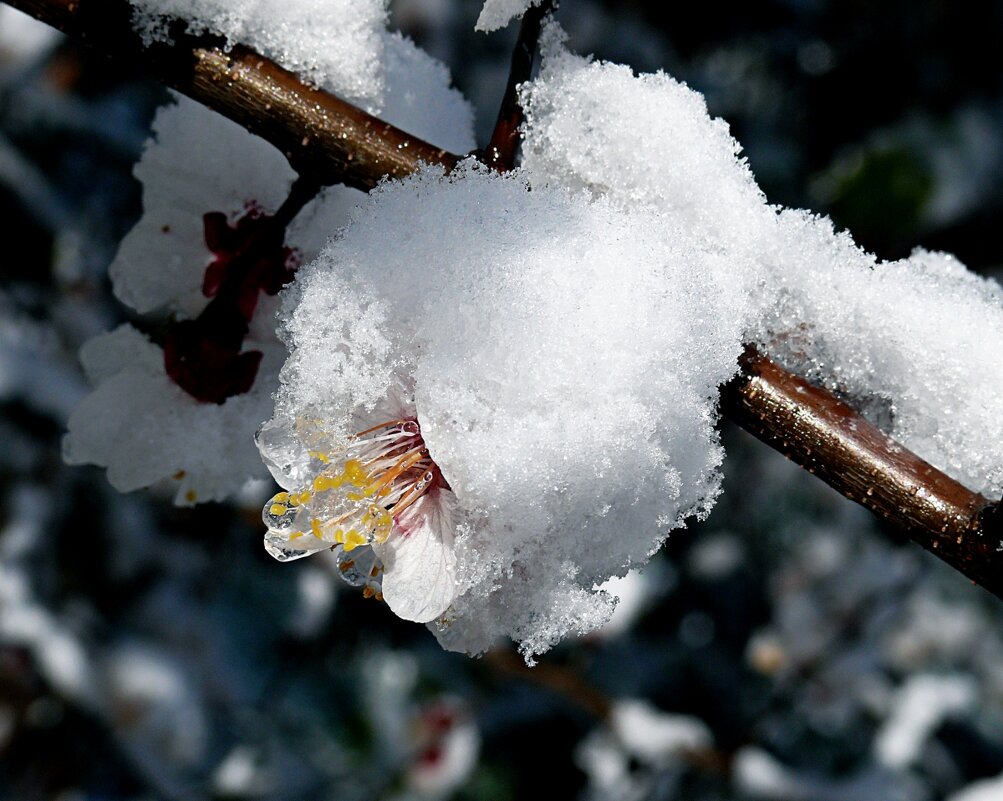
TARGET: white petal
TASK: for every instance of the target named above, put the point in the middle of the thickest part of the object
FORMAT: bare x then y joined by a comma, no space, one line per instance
420,565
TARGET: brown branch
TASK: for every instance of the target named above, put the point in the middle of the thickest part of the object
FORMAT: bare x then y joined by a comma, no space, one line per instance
301,192
828,438
328,140
501,150
325,139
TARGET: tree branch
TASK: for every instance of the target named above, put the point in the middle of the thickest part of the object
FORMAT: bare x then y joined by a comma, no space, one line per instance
328,140
828,438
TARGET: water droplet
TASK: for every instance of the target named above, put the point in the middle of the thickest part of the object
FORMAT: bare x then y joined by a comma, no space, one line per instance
410,428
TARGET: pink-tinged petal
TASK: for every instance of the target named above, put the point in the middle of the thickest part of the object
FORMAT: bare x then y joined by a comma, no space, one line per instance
419,581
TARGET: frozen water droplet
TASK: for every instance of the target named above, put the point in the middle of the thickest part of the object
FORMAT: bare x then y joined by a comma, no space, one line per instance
410,428
281,552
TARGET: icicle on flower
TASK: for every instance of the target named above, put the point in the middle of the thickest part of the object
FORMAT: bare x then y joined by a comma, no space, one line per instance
371,499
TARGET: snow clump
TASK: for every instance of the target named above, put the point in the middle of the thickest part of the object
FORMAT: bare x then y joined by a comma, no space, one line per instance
559,367
497,398
909,343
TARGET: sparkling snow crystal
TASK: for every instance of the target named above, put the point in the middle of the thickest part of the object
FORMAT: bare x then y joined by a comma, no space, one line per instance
641,140
909,343
542,399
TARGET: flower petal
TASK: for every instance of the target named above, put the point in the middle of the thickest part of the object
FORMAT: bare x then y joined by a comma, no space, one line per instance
419,583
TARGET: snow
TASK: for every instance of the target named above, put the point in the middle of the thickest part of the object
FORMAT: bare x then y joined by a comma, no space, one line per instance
639,742
652,735
556,337
636,592
334,43
553,394
641,140
149,694
984,790
759,774
498,13
918,707
885,335
910,340
567,401
239,775
24,618
716,556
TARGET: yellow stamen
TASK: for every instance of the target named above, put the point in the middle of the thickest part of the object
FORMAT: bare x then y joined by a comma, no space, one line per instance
406,461
353,539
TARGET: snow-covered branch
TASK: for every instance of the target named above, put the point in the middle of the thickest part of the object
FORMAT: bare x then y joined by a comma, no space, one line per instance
501,150
324,138
330,141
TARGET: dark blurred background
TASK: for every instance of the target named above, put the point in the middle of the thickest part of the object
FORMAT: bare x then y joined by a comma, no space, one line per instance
790,647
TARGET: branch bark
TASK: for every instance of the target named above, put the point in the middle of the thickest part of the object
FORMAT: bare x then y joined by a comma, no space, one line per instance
329,141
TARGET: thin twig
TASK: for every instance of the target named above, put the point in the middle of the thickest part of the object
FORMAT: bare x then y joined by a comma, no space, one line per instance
501,150
301,192
329,140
